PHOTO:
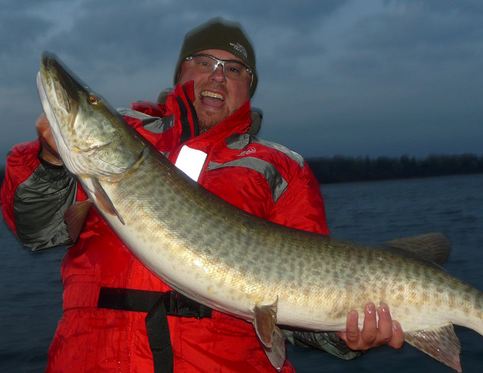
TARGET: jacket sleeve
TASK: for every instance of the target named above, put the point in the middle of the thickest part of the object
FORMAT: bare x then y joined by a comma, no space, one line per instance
325,341
301,205
35,196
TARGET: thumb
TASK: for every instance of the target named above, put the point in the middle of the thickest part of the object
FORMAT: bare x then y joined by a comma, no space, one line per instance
49,148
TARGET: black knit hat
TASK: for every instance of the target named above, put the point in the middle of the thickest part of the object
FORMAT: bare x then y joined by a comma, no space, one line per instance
218,33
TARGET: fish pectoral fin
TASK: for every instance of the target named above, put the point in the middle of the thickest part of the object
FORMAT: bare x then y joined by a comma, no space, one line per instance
270,335
276,353
265,323
103,201
75,216
440,343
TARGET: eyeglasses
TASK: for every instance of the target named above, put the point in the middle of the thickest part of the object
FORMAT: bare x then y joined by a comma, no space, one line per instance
235,70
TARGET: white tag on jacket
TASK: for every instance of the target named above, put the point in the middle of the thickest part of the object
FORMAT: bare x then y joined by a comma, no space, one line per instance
191,161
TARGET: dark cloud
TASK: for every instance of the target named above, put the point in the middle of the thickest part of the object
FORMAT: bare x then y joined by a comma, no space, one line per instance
444,6
18,27
400,80
413,28
336,77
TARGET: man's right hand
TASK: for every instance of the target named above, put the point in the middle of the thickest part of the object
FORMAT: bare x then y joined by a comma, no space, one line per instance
48,150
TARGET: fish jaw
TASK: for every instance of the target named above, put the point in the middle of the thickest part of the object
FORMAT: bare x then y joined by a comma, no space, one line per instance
87,131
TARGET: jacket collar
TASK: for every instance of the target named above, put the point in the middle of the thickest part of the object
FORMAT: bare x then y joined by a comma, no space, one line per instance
238,122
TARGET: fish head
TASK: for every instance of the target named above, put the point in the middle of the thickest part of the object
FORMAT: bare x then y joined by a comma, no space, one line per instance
91,137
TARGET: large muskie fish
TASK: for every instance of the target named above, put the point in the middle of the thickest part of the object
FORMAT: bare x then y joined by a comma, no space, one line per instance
231,261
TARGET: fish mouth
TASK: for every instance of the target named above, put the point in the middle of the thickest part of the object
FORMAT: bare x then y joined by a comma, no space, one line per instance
60,94
46,100
59,85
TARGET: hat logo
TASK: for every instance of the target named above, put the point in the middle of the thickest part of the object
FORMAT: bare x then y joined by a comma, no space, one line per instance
240,49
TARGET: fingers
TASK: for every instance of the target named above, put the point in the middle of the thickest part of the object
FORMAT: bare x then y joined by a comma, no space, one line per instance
397,340
41,121
42,125
384,327
369,332
44,131
378,328
352,333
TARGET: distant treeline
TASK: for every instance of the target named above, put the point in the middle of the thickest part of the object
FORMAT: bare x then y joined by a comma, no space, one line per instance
345,169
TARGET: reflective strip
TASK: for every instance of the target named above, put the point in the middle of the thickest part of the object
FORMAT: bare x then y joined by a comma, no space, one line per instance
150,123
289,153
191,161
276,182
238,142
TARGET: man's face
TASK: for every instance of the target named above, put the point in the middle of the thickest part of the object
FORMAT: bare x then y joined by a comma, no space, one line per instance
216,96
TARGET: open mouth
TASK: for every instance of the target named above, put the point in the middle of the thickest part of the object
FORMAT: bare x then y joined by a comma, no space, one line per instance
213,95
212,99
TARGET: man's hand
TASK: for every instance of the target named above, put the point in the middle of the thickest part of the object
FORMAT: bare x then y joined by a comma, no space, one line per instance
48,151
376,331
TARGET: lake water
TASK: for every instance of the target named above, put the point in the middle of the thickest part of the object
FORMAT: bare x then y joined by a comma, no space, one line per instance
372,212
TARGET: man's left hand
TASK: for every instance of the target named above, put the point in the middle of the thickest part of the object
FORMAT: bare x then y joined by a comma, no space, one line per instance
378,329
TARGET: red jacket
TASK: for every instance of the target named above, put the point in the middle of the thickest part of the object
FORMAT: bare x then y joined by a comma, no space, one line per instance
261,178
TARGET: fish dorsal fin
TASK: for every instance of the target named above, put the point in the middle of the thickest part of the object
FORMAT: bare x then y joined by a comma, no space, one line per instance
102,200
440,343
270,334
432,247
75,216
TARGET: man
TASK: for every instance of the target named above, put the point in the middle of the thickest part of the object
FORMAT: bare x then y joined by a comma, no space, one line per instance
117,315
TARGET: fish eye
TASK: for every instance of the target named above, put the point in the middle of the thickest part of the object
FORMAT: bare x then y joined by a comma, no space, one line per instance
93,99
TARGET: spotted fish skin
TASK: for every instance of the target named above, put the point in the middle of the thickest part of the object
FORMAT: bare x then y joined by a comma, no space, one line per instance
232,261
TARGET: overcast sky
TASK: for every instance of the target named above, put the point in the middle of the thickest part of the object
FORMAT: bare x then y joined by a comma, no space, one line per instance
360,77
